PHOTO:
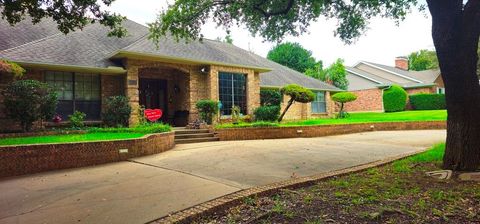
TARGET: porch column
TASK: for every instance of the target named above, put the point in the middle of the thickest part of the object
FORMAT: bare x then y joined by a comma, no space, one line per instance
212,83
131,91
253,91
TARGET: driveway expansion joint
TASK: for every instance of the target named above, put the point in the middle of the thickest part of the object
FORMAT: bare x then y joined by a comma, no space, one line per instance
183,172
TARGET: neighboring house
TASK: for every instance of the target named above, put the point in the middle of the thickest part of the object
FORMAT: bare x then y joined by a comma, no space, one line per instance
87,66
368,80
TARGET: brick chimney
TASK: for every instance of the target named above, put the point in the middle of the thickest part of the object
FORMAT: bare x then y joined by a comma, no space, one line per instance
401,63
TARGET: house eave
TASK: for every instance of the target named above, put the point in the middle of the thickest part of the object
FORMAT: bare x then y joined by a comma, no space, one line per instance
61,67
170,59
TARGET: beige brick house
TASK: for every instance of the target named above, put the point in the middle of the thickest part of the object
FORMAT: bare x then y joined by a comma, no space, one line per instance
87,66
368,80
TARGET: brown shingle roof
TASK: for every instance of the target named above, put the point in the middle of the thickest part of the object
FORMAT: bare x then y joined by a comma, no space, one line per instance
24,32
91,47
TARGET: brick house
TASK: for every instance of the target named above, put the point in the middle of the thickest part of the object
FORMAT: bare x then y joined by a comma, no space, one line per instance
87,66
368,80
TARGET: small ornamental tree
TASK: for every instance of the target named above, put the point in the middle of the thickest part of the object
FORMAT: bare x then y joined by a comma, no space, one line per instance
207,110
297,94
394,99
342,98
27,101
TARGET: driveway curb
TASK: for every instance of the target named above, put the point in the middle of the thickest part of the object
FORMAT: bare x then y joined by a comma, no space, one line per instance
190,214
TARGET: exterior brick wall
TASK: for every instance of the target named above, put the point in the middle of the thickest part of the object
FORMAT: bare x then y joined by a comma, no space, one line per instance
230,134
112,85
421,90
367,100
27,159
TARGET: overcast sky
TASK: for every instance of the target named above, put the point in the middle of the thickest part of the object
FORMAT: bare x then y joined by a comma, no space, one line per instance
381,43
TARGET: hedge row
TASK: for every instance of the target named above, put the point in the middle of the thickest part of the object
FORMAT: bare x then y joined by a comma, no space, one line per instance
424,101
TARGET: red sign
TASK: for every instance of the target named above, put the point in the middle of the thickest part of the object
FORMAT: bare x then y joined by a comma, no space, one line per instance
153,114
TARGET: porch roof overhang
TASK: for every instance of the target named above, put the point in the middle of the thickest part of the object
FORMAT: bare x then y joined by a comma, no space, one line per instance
73,68
190,61
313,89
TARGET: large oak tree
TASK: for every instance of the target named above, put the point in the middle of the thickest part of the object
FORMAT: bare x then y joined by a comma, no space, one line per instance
455,32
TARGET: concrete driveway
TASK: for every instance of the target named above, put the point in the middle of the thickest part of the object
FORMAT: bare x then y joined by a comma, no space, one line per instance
147,188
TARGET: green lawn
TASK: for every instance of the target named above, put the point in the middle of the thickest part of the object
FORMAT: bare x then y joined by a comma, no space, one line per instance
425,115
92,134
69,138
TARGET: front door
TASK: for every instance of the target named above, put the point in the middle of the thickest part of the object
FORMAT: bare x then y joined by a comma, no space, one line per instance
153,95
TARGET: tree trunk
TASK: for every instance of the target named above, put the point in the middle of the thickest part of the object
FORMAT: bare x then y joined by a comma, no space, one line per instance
341,110
290,102
455,33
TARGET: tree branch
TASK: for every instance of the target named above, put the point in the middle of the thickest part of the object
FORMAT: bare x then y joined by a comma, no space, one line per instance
275,13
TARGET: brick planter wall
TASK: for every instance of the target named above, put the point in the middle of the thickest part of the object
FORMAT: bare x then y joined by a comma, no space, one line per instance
27,159
229,134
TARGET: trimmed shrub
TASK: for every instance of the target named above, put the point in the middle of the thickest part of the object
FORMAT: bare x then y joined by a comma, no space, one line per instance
27,101
426,101
117,111
207,110
270,97
296,93
342,98
394,99
267,113
76,119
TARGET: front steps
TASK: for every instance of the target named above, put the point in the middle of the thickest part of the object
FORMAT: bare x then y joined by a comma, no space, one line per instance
183,135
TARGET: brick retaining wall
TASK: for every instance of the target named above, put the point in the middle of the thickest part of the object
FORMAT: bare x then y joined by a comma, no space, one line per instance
27,159
229,134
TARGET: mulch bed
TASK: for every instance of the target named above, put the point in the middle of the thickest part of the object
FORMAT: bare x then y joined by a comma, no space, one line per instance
395,193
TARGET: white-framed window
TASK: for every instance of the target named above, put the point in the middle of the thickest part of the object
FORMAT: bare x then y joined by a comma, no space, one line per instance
319,105
440,90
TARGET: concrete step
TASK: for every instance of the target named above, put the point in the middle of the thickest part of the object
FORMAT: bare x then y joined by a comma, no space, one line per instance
190,131
196,135
196,140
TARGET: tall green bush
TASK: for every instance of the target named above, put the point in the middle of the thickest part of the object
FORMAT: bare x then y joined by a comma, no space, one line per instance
425,101
267,113
394,99
117,111
270,97
27,101
207,110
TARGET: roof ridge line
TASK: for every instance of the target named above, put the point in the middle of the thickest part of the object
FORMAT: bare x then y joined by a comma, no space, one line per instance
136,41
32,42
